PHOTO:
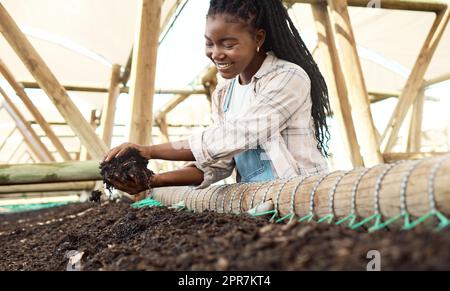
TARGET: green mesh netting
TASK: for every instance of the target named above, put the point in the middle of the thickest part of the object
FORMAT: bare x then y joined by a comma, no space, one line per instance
147,202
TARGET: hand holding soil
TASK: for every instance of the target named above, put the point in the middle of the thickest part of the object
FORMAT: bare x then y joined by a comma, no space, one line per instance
127,172
123,148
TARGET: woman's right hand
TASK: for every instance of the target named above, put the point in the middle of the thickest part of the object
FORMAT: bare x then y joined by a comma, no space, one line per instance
123,148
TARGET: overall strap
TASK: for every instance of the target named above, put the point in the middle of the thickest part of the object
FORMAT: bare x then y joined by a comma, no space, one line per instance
230,90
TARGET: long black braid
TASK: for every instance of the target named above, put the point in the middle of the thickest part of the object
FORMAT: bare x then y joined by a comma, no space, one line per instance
284,40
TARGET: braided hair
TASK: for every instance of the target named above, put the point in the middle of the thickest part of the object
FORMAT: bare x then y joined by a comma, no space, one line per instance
284,40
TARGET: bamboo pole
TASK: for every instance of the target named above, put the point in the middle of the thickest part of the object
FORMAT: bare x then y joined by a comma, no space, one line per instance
355,84
37,200
7,137
47,187
73,171
125,76
143,71
394,157
172,103
437,80
413,5
161,121
336,83
23,157
69,87
161,115
415,80
374,96
209,81
167,11
34,111
294,196
84,154
16,149
27,195
97,89
48,82
415,125
109,110
28,133
30,157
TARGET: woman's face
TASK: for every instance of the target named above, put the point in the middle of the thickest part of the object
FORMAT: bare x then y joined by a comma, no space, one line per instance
230,45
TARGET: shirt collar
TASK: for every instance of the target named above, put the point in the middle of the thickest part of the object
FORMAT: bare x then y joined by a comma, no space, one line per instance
267,65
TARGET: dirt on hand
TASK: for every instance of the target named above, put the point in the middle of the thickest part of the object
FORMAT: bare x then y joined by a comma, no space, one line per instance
129,167
95,196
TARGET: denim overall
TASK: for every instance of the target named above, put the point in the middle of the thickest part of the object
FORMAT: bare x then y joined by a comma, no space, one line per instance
249,164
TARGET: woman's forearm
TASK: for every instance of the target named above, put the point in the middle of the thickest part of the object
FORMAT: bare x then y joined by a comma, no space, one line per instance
172,151
188,176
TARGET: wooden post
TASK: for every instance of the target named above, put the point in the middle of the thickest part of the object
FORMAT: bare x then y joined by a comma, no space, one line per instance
415,125
125,76
394,157
172,103
47,187
414,5
34,111
168,9
143,71
161,115
29,135
97,89
354,80
73,171
109,109
84,154
437,80
209,82
415,80
336,83
163,127
48,82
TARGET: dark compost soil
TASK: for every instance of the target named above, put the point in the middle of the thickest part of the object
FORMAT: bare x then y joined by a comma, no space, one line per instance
130,166
113,236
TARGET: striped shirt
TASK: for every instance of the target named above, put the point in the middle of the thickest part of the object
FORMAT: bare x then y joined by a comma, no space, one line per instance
278,119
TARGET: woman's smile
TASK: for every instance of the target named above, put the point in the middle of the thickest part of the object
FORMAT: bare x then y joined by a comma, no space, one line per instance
223,66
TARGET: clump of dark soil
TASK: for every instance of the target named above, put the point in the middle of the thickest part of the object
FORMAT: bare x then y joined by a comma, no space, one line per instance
130,166
113,236
95,196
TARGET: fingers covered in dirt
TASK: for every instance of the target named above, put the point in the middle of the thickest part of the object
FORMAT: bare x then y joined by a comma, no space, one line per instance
127,172
120,150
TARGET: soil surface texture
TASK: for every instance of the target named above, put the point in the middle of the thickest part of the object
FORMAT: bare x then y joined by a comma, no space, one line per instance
114,236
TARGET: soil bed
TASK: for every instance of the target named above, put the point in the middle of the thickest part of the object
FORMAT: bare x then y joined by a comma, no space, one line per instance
113,236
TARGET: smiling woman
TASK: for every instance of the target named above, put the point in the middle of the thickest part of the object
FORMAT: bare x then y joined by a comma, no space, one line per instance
269,113
232,48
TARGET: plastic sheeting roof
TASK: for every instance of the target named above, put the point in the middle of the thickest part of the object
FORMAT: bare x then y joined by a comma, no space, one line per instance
103,31
388,41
